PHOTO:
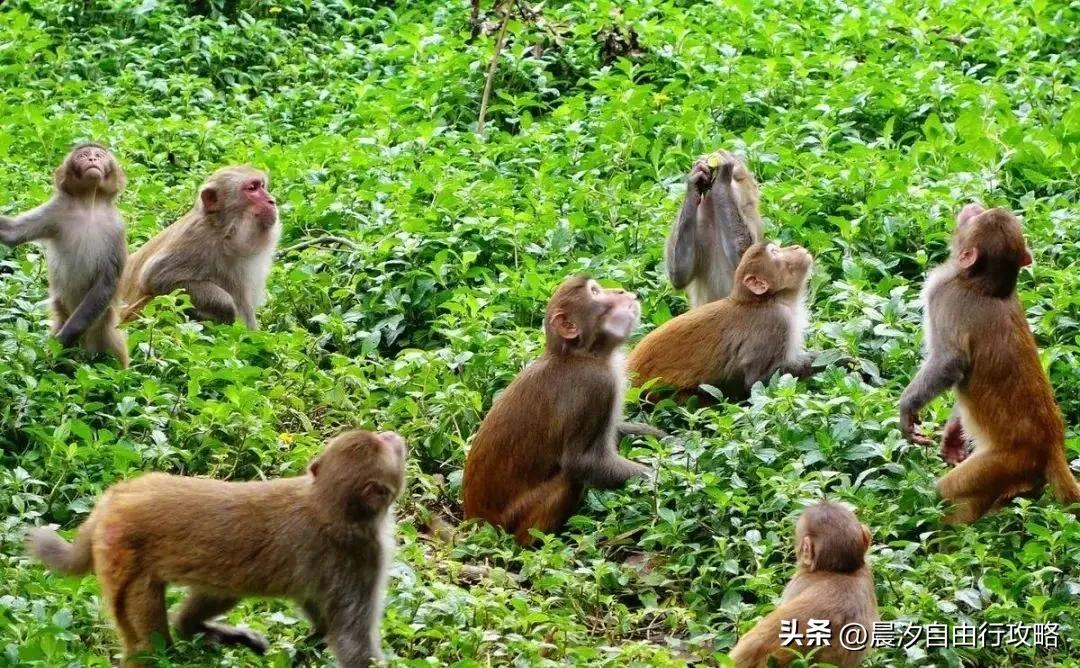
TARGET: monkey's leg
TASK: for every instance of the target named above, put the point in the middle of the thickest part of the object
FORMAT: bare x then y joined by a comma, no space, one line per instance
139,608
104,337
353,637
202,606
60,315
638,429
211,301
979,483
546,509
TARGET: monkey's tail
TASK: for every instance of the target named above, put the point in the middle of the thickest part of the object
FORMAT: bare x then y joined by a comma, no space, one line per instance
129,312
59,555
1061,479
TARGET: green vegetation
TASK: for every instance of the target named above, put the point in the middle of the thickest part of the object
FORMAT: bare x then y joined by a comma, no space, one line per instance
868,127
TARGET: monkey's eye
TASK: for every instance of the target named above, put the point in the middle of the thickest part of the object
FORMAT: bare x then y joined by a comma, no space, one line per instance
252,187
594,289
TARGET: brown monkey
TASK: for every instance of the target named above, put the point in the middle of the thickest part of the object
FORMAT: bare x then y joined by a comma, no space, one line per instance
718,221
84,247
832,582
741,339
324,539
219,253
979,344
553,432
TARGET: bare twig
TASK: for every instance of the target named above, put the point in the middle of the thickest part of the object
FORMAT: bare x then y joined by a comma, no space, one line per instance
318,241
491,69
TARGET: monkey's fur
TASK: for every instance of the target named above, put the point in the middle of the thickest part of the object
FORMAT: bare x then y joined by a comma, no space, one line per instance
979,344
718,221
85,248
220,252
554,431
832,581
741,339
324,539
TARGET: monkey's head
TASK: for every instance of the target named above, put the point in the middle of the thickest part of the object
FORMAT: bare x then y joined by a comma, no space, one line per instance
744,186
989,250
767,270
581,315
239,197
359,474
89,169
828,537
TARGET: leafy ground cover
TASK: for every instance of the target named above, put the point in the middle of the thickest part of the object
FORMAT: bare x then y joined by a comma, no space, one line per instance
868,124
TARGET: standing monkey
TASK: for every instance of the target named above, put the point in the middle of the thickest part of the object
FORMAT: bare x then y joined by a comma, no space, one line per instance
832,582
979,343
219,253
85,248
741,339
324,539
718,221
554,431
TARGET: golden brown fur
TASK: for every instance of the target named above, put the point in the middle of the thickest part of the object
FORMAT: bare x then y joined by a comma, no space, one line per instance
740,340
832,581
553,432
979,343
219,252
324,539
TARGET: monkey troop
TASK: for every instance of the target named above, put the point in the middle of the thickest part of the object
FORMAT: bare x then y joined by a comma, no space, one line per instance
325,539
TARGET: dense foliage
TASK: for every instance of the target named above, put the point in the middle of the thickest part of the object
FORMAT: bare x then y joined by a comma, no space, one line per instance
868,127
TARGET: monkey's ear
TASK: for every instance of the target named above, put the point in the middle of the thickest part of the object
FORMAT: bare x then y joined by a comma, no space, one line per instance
564,327
968,257
313,467
756,284
866,536
1025,259
806,553
209,198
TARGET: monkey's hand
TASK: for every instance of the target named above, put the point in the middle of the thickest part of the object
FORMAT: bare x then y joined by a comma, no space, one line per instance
700,177
909,421
954,446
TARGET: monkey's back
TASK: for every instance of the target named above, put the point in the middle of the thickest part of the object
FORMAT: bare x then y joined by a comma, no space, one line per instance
712,343
521,440
1006,398
223,528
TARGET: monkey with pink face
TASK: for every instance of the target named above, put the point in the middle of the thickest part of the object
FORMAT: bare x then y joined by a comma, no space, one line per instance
85,248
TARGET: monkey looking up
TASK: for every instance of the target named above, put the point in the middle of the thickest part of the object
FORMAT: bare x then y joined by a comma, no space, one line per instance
718,221
220,252
832,582
324,539
85,248
553,432
979,344
741,339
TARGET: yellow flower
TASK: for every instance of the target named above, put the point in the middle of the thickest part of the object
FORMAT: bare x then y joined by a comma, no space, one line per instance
275,10
659,98
286,438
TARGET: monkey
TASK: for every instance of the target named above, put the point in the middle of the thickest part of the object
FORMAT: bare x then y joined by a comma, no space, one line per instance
832,582
324,539
979,344
741,339
85,248
718,221
553,432
220,252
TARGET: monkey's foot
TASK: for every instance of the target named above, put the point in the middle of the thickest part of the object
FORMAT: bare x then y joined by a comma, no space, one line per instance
954,446
232,635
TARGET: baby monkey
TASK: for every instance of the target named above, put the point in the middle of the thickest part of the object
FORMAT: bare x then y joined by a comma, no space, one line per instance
832,582
84,246
324,539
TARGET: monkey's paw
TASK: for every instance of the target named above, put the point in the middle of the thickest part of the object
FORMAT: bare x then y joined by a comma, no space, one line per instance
700,177
232,635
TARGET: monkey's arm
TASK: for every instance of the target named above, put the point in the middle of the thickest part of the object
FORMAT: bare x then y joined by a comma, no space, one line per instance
942,370
680,258
590,454
735,236
759,643
38,223
97,299
803,364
